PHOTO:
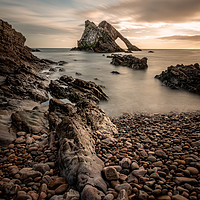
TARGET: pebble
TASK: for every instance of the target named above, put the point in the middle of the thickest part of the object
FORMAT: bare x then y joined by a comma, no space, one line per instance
111,173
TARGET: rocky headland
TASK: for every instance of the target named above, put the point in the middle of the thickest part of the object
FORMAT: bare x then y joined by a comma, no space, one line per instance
72,151
185,77
102,38
129,61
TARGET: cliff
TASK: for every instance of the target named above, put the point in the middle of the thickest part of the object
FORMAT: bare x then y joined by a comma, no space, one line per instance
102,38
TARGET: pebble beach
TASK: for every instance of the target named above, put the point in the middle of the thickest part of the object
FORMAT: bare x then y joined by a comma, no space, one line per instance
152,157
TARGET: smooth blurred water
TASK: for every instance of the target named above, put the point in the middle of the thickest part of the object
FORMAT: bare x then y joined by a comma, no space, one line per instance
130,91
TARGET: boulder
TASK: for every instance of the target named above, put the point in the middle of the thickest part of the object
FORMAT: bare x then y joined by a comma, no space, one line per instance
102,38
78,161
185,77
129,61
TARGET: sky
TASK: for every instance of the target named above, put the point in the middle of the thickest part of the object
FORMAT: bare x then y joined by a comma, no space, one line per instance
148,24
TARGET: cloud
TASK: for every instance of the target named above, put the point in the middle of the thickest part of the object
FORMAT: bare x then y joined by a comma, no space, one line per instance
168,11
182,37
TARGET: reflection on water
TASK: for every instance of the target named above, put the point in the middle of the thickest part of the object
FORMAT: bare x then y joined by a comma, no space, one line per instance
130,91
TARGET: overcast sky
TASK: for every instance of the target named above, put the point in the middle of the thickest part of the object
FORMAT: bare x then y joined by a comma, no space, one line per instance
147,23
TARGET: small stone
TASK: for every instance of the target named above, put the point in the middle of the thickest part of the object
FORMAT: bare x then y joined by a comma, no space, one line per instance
152,158
181,180
29,172
41,167
161,153
56,182
164,197
178,197
111,173
20,140
33,194
192,170
43,195
142,195
139,172
125,163
90,192
125,186
122,195
158,164
61,189
73,195
109,197
134,165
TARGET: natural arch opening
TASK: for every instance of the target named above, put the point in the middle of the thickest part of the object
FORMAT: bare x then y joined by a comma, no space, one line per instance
120,43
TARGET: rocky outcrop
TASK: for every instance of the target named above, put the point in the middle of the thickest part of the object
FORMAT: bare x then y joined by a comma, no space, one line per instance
77,127
129,61
18,67
76,90
19,78
185,77
102,38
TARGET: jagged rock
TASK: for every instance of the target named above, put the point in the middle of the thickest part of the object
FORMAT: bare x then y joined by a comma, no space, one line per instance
182,76
31,121
36,50
102,38
19,67
76,90
129,61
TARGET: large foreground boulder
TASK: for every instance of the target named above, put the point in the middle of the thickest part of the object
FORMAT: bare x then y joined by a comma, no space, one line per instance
129,61
102,38
182,77
76,127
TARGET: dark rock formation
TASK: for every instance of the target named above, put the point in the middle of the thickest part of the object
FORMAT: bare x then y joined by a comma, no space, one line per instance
129,61
77,127
36,50
19,79
76,90
102,38
19,67
182,76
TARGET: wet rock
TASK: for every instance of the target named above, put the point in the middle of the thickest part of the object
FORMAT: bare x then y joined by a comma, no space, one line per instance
76,90
115,72
182,76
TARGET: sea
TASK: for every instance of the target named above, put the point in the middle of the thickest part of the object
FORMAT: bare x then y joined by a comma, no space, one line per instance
131,91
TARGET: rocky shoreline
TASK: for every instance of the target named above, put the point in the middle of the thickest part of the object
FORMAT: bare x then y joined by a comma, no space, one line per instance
74,151
151,157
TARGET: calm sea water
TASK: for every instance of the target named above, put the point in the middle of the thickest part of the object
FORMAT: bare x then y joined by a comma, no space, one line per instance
130,91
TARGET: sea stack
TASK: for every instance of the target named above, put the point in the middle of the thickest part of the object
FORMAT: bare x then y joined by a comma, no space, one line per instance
102,38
